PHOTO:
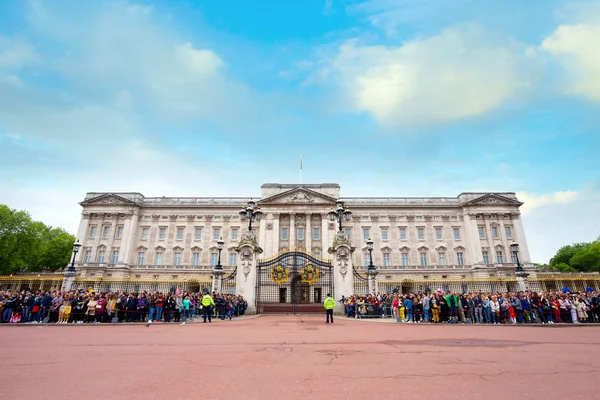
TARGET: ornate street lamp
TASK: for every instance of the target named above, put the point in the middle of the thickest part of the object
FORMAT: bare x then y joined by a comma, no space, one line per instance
220,244
371,269
76,247
252,213
514,248
340,213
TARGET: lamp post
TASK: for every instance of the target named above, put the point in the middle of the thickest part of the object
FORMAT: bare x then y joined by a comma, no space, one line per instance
76,247
220,244
218,269
340,213
514,248
252,213
371,269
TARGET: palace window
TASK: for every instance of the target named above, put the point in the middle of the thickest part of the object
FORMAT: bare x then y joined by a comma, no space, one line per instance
456,233
460,258
195,259
180,233
87,257
234,233
144,233
115,257
285,234
159,258
486,257
101,257
442,257
232,259
423,259
177,258
316,234
366,234
438,233
481,230
162,234
508,231
367,258
216,233
402,233
500,257
348,233
120,231
300,233
198,234
405,259
513,256
214,259
105,231
92,232
140,258
386,259
384,234
494,231
421,233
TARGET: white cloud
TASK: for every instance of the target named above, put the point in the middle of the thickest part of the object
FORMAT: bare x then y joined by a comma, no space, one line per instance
559,219
14,55
576,47
534,200
461,73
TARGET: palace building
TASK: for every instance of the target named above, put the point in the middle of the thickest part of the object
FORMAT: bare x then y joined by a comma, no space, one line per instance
127,236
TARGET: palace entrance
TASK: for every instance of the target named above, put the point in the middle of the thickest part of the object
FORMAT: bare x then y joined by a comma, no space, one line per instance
294,282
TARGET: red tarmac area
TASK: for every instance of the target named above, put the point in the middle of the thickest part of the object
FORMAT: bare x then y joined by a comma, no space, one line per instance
299,357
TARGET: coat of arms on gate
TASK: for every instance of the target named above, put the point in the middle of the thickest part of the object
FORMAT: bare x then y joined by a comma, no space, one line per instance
309,274
279,274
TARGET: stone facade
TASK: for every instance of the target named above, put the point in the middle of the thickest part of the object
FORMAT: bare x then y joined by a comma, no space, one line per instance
128,235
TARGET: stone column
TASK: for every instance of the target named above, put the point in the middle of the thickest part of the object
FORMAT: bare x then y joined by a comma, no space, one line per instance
522,283
129,238
472,240
248,251
307,232
274,249
292,231
325,240
343,276
524,256
68,281
217,283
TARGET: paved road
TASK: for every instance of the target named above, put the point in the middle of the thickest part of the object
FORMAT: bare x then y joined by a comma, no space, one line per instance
287,357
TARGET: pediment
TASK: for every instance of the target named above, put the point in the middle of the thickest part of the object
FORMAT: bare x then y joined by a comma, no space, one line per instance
301,196
493,199
109,199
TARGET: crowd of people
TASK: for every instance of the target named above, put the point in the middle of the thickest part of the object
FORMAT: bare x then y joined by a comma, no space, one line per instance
87,306
479,308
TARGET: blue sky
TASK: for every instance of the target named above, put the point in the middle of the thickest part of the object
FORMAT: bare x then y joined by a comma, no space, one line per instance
384,97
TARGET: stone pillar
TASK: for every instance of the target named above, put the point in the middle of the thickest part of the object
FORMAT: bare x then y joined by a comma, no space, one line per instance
248,251
292,231
343,276
522,283
274,249
524,256
307,232
217,283
68,281
325,240
373,284
472,240
130,238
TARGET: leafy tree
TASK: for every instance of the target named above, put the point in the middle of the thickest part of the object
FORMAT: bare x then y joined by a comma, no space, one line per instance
565,253
587,259
27,245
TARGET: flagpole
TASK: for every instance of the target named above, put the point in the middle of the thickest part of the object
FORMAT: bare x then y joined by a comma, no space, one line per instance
301,169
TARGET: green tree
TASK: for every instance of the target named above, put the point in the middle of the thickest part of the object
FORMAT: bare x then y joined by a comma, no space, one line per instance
565,253
587,259
27,245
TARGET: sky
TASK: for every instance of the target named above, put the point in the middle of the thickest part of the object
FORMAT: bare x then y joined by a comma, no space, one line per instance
384,97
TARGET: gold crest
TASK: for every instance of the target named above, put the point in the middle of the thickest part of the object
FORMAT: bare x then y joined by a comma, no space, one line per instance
279,274
309,274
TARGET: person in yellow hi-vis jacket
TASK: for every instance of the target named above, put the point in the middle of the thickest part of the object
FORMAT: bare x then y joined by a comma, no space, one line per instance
329,306
207,302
